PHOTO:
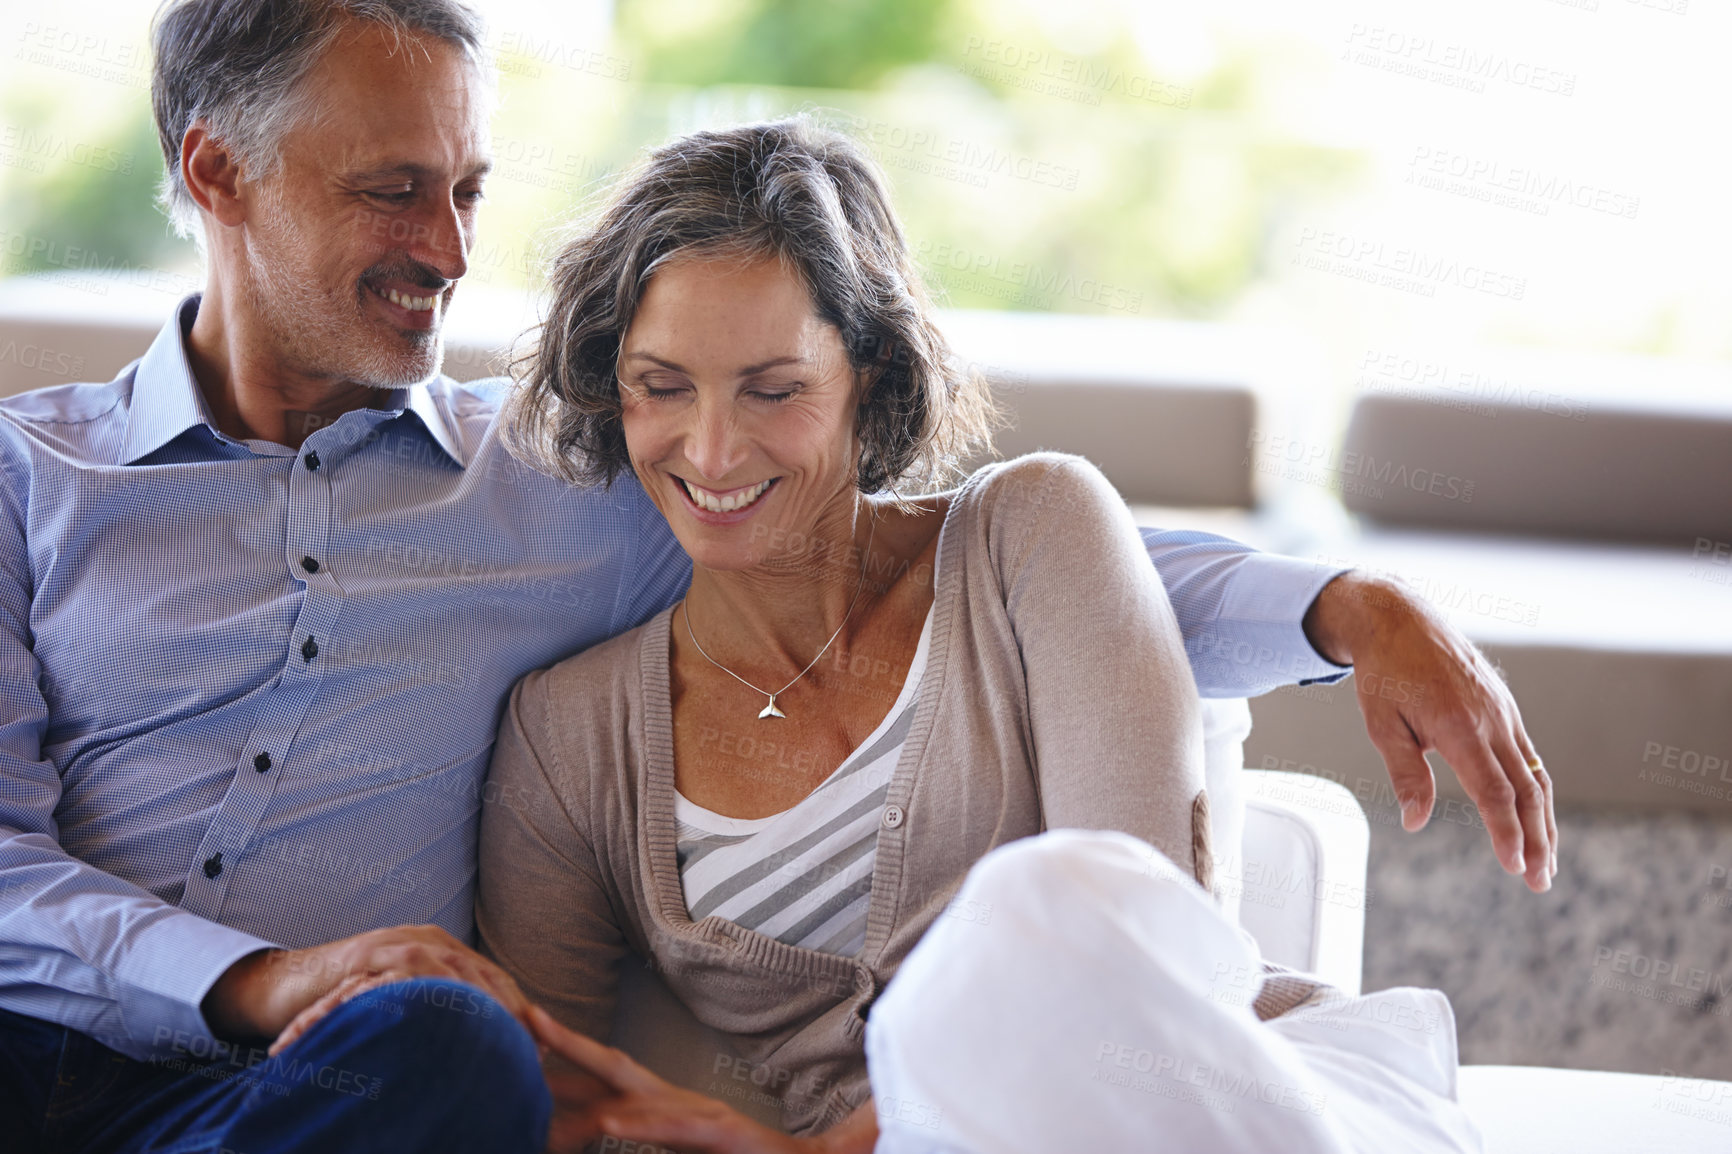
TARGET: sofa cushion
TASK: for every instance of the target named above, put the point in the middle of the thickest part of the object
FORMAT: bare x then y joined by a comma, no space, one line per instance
1574,468
1538,1110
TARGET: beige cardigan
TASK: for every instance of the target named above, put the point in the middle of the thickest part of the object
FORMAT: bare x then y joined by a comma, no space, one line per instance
1057,693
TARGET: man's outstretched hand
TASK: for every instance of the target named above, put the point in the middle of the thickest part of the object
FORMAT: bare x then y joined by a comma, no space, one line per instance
279,994
1424,686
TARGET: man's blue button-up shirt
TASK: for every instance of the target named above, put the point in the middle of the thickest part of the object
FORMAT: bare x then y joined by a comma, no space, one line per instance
248,693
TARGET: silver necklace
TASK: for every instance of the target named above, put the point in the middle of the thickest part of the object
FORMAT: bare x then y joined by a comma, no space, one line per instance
771,710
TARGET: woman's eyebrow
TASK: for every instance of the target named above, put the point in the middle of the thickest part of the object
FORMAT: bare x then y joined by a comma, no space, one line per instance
772,363
748,371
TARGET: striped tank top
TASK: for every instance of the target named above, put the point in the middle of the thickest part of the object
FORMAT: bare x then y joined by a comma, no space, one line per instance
802,876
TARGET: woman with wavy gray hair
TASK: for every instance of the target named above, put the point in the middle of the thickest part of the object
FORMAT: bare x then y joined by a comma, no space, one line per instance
772,791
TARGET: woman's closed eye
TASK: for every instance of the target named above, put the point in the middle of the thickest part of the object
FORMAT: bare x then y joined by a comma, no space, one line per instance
770,396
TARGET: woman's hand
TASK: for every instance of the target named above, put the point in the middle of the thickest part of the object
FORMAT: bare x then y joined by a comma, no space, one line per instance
611,1095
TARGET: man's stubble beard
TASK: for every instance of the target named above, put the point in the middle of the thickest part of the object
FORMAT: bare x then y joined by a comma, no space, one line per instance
329,334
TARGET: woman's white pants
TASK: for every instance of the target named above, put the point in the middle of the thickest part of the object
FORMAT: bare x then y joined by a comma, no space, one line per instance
1082,994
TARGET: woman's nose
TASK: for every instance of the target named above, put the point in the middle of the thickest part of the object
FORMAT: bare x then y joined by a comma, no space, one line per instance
715,446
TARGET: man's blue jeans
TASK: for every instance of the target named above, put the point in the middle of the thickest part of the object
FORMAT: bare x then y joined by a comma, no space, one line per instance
418,1066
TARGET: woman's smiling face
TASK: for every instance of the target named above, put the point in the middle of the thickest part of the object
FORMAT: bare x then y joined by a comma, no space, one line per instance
738,410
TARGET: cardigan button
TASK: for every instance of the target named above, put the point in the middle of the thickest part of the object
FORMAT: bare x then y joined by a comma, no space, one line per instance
894,817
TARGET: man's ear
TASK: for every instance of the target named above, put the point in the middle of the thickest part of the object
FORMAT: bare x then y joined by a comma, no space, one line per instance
212,177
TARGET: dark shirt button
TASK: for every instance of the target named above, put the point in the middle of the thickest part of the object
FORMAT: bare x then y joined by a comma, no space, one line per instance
309,649
309,565
262,763
213,866
311,461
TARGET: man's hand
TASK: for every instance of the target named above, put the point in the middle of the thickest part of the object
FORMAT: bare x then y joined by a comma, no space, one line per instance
1445,697
279,994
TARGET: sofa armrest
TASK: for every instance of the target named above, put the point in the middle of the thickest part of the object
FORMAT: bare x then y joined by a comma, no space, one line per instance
1301,879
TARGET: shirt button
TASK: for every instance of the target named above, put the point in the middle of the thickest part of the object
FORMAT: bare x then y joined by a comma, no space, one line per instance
213,866
311,461
262,763
893,817
309,649
309,565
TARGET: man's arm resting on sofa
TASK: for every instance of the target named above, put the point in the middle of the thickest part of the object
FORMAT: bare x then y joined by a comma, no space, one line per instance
1241,611
1254,621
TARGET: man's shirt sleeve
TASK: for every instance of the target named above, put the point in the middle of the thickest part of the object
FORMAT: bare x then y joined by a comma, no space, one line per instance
79,946
664,569
1242,612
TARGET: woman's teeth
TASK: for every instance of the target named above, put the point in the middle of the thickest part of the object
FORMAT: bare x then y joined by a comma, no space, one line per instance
704,500
414,304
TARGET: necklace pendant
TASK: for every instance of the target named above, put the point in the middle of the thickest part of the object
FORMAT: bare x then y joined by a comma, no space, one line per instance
770,710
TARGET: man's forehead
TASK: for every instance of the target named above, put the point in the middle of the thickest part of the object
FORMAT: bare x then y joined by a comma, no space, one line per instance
388,102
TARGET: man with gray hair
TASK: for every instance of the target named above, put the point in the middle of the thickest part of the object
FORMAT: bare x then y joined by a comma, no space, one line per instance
263,596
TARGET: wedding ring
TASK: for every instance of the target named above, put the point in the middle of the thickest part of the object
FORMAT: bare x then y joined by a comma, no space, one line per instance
1535,763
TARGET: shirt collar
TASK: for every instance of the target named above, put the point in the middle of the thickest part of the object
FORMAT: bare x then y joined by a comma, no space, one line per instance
166,399
420,401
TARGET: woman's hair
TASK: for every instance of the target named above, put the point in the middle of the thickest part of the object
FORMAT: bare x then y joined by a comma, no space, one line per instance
788,190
